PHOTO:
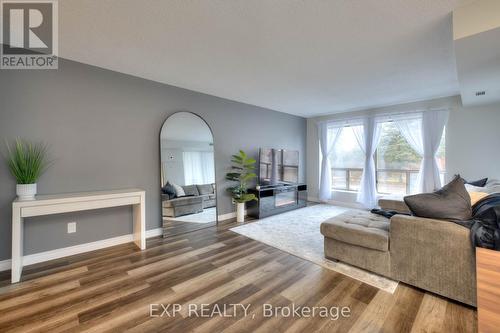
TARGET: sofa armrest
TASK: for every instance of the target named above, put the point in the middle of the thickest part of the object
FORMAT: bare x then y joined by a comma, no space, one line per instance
434,255
393,203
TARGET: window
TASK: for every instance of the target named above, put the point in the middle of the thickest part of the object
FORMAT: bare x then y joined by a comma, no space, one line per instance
198,167
397,163
347,161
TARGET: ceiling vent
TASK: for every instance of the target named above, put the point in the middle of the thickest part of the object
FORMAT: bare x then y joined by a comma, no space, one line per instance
476,30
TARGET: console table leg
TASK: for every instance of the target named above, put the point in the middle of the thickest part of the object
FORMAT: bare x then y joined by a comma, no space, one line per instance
17,245
140,224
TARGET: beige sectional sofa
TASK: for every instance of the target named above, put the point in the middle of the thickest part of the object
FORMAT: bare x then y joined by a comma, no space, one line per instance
430,254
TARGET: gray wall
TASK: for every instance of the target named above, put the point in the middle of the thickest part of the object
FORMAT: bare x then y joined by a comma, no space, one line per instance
472,138
103,131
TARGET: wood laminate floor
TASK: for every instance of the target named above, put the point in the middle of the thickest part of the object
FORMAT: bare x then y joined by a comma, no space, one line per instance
112,289
173,228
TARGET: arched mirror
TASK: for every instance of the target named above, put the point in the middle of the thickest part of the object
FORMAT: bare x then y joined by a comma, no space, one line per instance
188,193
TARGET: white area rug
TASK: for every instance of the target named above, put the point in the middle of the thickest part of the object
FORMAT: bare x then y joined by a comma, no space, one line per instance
208,215
298,233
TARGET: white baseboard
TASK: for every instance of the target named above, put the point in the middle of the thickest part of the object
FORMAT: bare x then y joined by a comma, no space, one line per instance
228,216
5,265
154,232
77,249
35,258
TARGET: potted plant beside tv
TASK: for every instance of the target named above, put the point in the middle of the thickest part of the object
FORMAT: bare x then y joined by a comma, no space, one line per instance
242,171
27,161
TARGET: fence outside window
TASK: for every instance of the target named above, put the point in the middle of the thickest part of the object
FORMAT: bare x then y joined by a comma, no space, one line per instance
389,181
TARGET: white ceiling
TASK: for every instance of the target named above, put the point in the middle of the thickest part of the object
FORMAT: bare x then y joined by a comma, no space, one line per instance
301,57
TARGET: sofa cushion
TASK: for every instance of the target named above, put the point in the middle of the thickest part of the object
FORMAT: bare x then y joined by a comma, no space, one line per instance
452,203
191,190
205,189
478,183
393,203
183,201
359,228
492,186
179,192
475,197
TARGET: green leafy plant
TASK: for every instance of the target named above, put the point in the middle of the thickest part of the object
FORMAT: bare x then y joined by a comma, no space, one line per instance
27,161
242,171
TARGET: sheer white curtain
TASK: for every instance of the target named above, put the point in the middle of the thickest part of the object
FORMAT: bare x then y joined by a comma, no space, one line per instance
368,137
198,167
327,137
424,135
411,130
433,123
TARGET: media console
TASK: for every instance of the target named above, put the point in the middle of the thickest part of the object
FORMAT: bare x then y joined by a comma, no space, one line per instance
276,199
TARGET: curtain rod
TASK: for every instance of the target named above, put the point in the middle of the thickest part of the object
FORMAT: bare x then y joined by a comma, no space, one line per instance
385,114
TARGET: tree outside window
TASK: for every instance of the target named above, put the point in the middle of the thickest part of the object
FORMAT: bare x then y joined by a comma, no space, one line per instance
397,163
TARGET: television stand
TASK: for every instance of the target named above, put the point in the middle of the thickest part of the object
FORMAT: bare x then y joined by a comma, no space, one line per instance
276,199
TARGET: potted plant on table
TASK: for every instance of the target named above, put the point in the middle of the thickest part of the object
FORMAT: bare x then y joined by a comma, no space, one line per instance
27,161
242,171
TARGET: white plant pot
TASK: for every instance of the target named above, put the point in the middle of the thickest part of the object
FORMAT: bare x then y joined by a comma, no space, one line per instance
26,191
240,212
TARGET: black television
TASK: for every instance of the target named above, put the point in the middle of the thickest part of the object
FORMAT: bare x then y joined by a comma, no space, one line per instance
278,166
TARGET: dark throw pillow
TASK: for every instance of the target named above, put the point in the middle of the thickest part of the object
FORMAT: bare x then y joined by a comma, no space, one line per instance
169,190
478,183
452,203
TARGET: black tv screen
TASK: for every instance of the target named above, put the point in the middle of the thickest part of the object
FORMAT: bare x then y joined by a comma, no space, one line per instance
278,166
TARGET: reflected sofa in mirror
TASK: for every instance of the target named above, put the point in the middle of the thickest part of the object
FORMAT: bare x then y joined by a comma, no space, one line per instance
188,192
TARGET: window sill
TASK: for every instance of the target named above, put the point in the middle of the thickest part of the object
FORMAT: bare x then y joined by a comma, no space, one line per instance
378,193
343,191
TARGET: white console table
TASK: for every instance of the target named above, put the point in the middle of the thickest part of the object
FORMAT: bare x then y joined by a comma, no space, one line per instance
74,202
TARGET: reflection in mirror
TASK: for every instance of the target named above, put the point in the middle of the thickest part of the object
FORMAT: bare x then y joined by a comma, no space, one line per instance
188,195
